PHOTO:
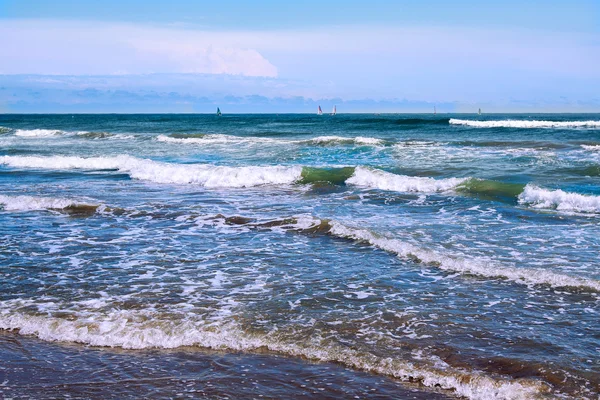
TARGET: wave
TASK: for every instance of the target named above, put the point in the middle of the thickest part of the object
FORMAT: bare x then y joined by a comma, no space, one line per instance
213,139
213,176
378,179
536,197
143,329
467,266
47,133
336,176
594,147
4,129
31,203
38,132
511,123
360,140
491,189
103,135
484,268
221,176
229,139
160,172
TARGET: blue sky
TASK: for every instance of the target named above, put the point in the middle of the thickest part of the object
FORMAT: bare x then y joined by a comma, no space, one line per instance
367,56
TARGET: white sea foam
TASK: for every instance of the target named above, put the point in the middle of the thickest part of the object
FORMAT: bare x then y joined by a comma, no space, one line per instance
201,174
340,139
592,147
484,268
38,132
377,179
215,139
228,139
560,200
53,133
27,203
511,123
142,330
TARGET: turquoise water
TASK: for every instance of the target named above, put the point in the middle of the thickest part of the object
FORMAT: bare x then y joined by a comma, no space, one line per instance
415,256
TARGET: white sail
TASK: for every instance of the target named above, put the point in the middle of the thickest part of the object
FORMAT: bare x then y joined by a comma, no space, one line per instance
334,111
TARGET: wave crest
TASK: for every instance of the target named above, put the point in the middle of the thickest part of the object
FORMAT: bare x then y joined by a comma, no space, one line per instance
484,268
31,203
378,179
141,330
160,172
511,123
38,132
560,200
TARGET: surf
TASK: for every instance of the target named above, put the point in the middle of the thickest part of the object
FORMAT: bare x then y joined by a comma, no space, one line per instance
143,329
525,124
33,203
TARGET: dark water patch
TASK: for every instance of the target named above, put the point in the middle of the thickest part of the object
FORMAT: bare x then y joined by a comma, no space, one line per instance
540,145
324,188
188,135
24,151
589,170
570,382
35,369
422,121
35,174
79,210
336,176
422,172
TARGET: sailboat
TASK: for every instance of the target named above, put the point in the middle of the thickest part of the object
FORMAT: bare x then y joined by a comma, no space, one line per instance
479,112
434,110
319,111
334,111
218,112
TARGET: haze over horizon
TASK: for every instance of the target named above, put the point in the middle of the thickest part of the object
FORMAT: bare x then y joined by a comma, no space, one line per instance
138,57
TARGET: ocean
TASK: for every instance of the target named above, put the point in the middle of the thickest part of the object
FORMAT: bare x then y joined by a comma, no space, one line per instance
300,256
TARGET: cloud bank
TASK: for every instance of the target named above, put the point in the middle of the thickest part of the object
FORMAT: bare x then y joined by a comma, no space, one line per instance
75,48
495,68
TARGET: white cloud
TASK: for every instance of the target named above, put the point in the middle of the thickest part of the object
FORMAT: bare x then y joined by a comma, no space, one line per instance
426,63
75,48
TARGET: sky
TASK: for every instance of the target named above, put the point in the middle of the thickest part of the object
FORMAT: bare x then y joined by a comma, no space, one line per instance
274,56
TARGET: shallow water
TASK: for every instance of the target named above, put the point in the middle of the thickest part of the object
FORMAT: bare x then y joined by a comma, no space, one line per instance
418,255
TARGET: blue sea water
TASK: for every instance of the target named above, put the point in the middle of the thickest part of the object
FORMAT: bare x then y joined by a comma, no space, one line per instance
386,256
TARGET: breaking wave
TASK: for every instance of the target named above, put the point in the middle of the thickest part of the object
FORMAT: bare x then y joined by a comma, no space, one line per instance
46,133
213,139
229,139
468,266
592,147
222,176
510,123
31,203
38,132
201,174
214,176
378,179
536,197
484,268
360,140
142,329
